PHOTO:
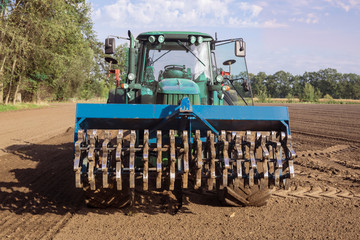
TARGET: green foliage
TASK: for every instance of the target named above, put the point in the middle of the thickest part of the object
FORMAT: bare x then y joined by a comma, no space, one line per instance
49,51
290,98
329,99
12,107
309,94
308,87
263,97
257,83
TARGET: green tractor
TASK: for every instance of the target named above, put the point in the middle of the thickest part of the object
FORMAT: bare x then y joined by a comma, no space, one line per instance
182,119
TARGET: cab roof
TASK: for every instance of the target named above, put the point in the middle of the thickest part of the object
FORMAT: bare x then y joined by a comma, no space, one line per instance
172,35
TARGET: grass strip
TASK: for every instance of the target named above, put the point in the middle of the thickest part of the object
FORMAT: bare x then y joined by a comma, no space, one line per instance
21,106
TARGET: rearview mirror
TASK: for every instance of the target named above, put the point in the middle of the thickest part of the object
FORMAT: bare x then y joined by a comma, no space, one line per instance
240,48
212,45
245,86
109,45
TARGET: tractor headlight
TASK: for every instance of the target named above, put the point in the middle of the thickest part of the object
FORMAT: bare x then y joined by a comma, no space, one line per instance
151,39
161,39
200,39
124,86
131,76
225,88
192,39
219,78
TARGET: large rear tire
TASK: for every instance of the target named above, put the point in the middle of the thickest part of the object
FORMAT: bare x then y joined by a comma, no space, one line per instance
239,195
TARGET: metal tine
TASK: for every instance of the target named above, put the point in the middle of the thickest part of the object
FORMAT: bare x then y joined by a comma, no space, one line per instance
185,175
172,159
253,166
159,158
277,177
77,166
271,162
277,149
132,159
229,136
212,160
286,143
251,177
146,160
252,149
199,161
119,140
291,169
77,145
105,153
239,155
91,158
289,152
225,152
261,139
278,163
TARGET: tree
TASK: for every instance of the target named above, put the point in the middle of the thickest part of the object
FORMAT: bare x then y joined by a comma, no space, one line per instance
258,83
47,38
272,87
309,94
283,80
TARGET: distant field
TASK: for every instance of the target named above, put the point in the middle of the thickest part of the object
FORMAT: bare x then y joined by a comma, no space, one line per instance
322,100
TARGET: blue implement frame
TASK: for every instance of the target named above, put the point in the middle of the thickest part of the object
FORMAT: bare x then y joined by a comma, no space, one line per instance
181,117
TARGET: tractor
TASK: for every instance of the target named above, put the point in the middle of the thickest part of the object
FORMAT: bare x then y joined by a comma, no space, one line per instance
182,118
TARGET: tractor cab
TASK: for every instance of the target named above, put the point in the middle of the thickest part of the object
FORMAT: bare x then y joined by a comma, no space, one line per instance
165,67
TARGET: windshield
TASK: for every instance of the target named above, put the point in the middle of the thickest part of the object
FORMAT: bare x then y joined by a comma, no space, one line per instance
227,62
193,60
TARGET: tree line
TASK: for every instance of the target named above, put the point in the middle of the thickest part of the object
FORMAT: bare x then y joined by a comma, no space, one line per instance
307,87
49,51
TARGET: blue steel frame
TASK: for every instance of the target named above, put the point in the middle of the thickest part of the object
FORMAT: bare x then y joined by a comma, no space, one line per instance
181,117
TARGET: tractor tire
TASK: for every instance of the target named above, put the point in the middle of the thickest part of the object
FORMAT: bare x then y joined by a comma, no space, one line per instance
228,99
236,194
107,197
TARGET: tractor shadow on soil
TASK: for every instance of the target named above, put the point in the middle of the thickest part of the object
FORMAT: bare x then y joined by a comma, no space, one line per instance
49,186
46,188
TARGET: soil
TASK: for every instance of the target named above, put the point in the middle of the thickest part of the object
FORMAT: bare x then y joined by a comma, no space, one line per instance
38,199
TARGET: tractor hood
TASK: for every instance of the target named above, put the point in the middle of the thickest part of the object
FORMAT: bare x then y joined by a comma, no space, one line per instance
178,86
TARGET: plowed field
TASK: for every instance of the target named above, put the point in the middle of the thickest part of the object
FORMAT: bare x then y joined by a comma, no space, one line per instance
38,199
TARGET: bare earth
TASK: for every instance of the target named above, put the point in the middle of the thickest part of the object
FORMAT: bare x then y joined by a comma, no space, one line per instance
38,199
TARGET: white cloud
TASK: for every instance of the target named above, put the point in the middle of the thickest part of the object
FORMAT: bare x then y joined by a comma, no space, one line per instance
273,24
309,18
182,14
252,9
95,14
347,5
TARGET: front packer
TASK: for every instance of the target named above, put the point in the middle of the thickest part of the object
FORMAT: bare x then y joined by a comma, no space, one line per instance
235,150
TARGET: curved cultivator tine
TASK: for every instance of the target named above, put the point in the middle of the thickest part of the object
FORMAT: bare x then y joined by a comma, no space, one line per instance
118,154
146,160
185,158
196,158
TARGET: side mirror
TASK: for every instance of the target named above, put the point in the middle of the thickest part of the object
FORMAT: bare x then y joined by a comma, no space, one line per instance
109,46
240,49
245,86
212,45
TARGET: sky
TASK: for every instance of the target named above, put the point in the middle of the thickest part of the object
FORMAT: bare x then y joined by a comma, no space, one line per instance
296,36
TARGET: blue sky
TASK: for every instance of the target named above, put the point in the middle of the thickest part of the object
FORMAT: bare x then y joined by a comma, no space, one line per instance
296,36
